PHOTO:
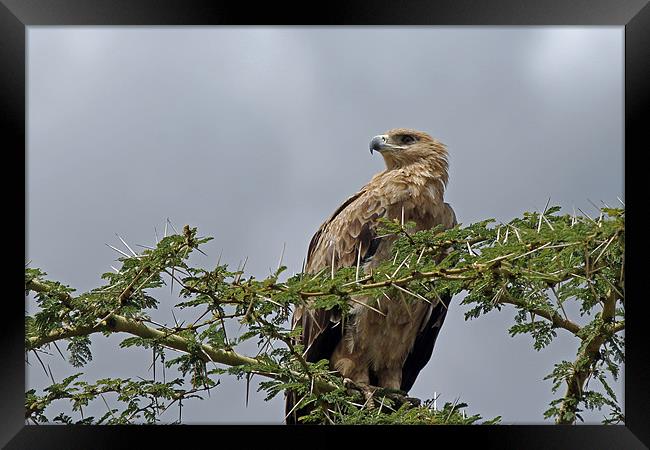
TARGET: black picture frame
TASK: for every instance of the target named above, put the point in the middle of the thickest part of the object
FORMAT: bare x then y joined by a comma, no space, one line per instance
634,15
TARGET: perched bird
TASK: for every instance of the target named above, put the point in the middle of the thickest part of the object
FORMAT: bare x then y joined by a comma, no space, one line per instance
388,349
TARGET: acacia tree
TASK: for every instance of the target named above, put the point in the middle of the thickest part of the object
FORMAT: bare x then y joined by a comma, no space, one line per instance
535,264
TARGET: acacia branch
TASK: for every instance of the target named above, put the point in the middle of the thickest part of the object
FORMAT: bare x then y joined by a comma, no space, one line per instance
557,320
42,403
587,358
121,324
118,323
38,286
440,274
455,274
618,326
470,273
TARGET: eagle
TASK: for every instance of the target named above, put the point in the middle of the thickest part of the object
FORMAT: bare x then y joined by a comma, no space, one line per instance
385,350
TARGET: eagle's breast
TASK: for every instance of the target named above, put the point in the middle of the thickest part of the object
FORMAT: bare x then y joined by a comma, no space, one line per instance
387,340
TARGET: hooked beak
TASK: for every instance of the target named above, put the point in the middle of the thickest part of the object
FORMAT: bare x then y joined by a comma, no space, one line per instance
379,143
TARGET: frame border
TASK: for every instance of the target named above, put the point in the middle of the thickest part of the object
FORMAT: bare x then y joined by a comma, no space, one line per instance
17,15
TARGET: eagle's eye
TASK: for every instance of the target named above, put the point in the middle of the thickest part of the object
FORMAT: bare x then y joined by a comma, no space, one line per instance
407,139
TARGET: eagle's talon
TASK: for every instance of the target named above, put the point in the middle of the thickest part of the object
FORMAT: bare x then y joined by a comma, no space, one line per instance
351,386
398,396
415,402
368,392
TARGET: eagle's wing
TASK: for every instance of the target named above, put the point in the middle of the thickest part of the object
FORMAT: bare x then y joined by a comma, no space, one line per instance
337,242
426,339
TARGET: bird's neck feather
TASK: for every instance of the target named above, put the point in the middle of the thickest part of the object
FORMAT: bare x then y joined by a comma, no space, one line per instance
433,168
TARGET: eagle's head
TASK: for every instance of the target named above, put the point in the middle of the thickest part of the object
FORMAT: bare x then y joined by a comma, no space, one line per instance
401,147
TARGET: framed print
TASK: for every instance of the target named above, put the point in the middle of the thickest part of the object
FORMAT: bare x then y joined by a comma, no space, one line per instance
218,198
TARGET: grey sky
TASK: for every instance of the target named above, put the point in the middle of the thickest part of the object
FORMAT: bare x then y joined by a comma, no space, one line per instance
256,135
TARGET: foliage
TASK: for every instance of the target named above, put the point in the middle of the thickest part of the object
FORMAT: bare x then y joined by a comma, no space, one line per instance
535,264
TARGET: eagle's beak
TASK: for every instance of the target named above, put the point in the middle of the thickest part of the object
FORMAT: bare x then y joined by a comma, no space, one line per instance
379,143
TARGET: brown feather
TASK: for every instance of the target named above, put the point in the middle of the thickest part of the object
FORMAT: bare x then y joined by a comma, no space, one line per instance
413,186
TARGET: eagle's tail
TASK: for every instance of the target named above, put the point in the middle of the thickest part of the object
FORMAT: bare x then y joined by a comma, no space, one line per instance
291,417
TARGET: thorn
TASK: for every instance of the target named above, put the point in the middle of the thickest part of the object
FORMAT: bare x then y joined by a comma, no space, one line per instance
145,246
154,356
51,376
320,272
387,297
294,407
173,227
399,267
406,307
517,232
539,224
248,385
118,250
548,223
439,300
498,233
165,233
41,361
367,306
269,300
239,275
200,317
156,233
381,405
620,201
421,254
402,216
505,239
533,250
219,260
116,271
284,245
395,259
594,205
603,250
573,219
453,407
588,217
416,295
126,245
58,350
349,283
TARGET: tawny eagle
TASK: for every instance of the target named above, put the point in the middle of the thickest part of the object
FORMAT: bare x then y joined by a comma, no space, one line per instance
390,349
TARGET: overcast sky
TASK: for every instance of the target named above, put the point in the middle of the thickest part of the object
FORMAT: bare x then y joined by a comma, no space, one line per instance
255,136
